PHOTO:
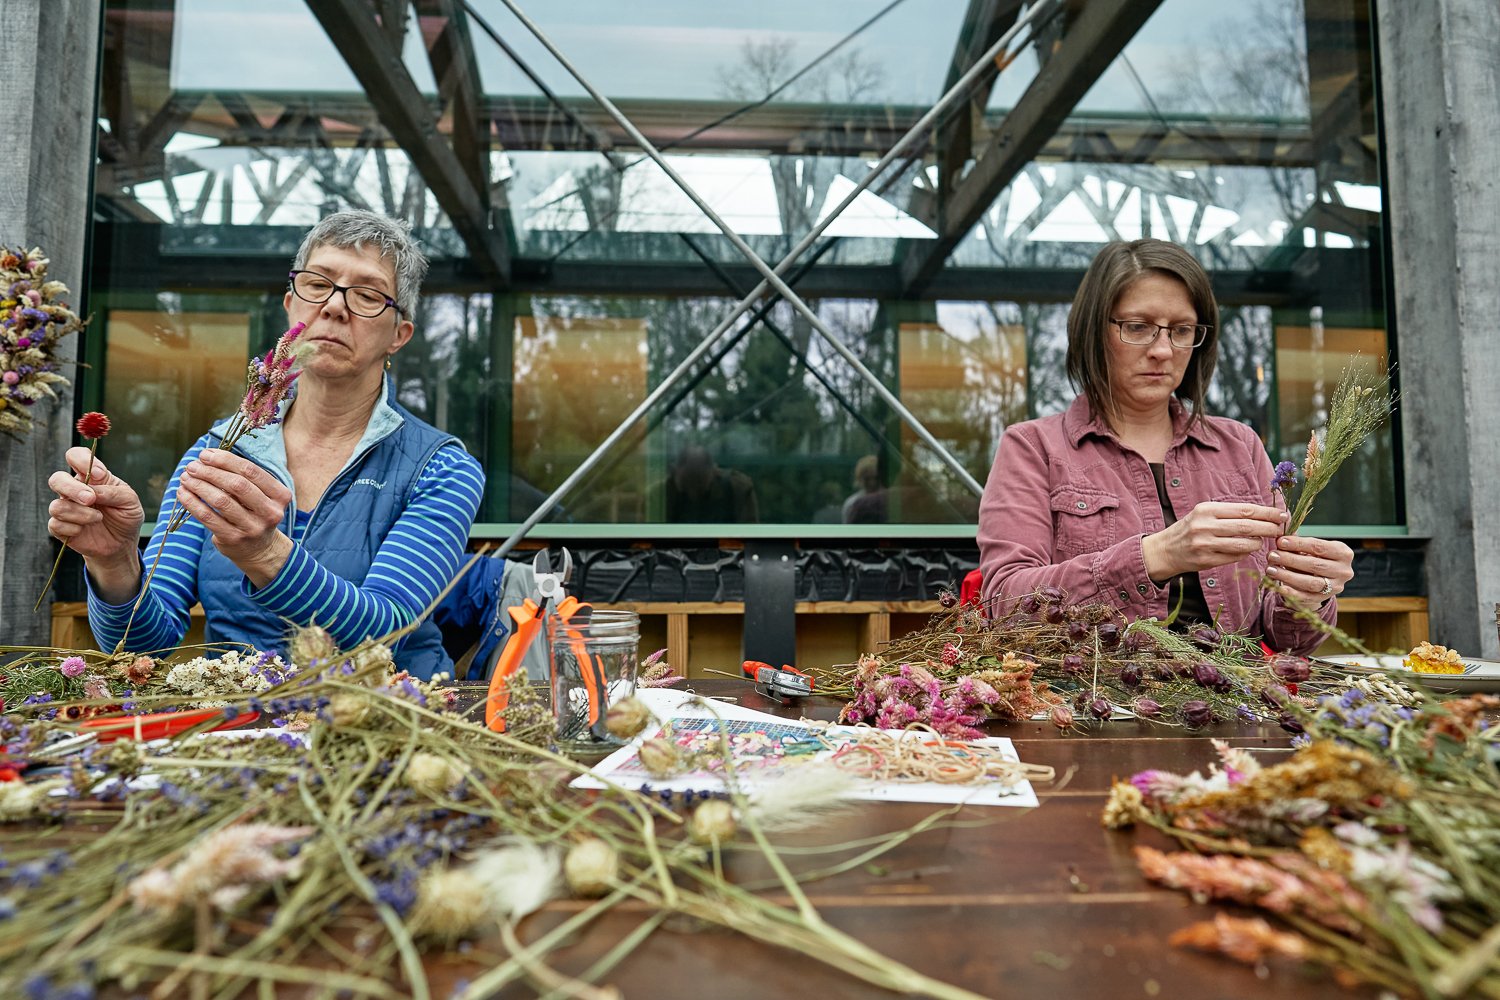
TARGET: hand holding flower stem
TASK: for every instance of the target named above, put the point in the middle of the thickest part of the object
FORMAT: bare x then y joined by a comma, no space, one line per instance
268,382
91,427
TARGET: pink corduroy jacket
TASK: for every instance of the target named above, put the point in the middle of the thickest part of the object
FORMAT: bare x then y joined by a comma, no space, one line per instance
1067,505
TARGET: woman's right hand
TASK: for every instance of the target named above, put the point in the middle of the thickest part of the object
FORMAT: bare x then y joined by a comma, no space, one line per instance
99,518
1212,535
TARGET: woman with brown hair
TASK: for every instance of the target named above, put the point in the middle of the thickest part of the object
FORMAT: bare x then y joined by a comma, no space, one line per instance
1135,496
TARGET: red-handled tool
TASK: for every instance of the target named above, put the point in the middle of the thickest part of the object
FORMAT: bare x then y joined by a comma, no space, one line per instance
784,681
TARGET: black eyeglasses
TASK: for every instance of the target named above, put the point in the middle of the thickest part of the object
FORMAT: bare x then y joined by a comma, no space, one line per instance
362,300
1139,333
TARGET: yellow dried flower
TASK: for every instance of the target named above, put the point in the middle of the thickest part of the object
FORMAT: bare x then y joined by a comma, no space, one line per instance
1325,849
591,868
1125,808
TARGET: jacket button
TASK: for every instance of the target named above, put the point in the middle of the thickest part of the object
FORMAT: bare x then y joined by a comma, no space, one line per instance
1176,481
1124,596
1141,587
1210,582
1082,505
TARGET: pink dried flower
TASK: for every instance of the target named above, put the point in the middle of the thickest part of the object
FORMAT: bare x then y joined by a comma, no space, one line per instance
1250,940
1288,883
73,666
220,869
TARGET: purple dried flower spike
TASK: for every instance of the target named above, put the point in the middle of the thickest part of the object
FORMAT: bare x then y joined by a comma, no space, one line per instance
1284,475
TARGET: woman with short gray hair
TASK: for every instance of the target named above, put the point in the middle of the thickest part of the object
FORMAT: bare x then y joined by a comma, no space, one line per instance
349,513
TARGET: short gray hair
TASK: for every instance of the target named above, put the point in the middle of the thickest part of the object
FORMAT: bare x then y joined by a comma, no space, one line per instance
357,229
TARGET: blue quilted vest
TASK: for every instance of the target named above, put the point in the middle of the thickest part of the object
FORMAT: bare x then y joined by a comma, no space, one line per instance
344,531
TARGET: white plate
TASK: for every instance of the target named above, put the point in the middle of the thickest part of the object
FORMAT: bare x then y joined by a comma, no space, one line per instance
1478,675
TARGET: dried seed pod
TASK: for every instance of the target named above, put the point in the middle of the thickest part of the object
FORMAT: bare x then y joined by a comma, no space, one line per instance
1146,708
1291,669
1072,664
1197,714
660,757
1130,675
432,774
1109,635
1208,675
348,708
627,718
712,822
310,645
591,868
1061,716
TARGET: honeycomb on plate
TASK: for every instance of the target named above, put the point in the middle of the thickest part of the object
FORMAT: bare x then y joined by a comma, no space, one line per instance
1428,658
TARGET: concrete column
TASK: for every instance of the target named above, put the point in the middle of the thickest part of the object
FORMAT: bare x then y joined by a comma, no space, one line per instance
1441,115
46,160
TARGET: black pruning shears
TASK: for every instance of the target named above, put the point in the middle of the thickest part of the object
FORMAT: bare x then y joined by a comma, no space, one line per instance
780,682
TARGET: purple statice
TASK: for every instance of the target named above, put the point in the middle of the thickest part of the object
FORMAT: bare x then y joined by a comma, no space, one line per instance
1283,476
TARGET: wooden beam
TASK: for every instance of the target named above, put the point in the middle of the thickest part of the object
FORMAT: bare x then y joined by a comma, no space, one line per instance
377,65
1096,33
456,70
984,22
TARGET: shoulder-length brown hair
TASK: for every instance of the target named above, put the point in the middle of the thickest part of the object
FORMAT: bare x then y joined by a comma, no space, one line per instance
1116,268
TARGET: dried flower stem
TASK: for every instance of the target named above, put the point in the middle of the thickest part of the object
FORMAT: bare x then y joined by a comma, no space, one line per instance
87,479
1355,411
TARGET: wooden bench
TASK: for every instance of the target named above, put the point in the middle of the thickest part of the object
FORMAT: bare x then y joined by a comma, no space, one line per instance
704,636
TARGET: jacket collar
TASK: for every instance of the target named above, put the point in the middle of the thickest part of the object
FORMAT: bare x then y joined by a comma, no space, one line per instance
267,446
1079,421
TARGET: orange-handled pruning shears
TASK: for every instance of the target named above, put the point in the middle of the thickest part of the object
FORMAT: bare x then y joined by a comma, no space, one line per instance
528,618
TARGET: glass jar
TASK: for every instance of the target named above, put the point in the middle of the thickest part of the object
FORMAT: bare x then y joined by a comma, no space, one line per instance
595,656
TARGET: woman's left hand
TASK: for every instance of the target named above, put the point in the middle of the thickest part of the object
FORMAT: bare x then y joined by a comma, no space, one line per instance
242,506
1310,570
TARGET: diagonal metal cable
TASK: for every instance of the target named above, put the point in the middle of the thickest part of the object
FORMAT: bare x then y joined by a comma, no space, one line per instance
772,276
723,119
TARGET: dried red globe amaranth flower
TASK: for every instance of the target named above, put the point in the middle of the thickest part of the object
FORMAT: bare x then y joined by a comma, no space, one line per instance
92,426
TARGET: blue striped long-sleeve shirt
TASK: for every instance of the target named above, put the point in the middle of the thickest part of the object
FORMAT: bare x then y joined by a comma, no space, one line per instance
415,561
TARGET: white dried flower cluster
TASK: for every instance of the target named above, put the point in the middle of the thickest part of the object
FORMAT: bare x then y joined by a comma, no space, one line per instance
221,869
20,801
1383,688
232,673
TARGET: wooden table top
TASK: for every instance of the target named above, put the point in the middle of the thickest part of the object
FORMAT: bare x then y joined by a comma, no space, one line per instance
1006,902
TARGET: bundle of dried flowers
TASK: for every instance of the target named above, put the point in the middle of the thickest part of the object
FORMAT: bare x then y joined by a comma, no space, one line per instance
1378,841
33,319
1355,411
1044,654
